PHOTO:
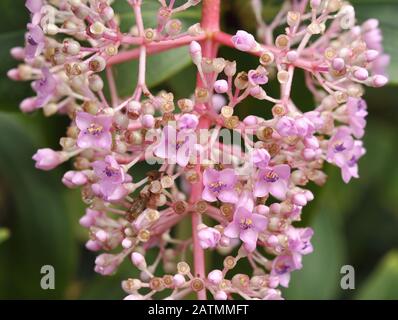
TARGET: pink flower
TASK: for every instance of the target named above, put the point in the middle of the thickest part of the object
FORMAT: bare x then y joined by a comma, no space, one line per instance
47,159
220,184
106,264
176,147
35,41
299,240
244,41
260,158
188,121
111,178
34,6
73,179
208,237
94,131
89,219
356,109
283,265
273,180
45,88
345,152
258,76
246,225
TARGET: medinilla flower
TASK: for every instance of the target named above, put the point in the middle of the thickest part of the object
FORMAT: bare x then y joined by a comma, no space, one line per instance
260,158
208,237
220,185
34,6
246,224
45,88
273,180
299,240
244,41
94,131
176,146
35,41
283,265
111,178
48,159
345,152
356,109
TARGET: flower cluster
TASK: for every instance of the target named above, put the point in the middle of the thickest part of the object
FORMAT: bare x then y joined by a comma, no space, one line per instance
243,198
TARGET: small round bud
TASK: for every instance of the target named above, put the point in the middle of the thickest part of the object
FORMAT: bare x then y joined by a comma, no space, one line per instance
221,86
195,50
138,260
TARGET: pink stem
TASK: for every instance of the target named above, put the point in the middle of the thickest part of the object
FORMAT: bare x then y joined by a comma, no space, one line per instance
308,65
210,23
152,48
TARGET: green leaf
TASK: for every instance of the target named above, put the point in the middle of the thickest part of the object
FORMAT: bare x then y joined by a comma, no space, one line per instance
4,234
320,276
382,284
159,68
36,216
386,12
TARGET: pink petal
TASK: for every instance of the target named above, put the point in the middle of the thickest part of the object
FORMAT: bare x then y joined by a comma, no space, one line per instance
283,171
84,120
259,221
232,230
228,195
228,177
85,141
208,195
104,141
249,237
278,189
209,176
260,189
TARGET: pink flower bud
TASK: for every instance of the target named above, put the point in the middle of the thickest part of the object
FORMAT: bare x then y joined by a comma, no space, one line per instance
106,264
225,241
148,121
299,199
292,56
220,295
195,51
361,74
315,4
311,142
93,245
208,237
101,235
262,209
47,159
13,74
138,260
250,120
18,53
28,105
338,64
178,280
379,81
73,179
218,102
371,55
370,24
244,41
215,277
309,154
127,243
221,86
309,195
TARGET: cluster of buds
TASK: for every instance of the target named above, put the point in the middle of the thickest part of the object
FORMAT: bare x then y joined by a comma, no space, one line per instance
242,182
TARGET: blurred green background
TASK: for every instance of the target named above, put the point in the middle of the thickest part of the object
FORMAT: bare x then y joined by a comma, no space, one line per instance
355,224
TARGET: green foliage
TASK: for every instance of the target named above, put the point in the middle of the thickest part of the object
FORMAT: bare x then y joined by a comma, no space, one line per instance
382,284
41,230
